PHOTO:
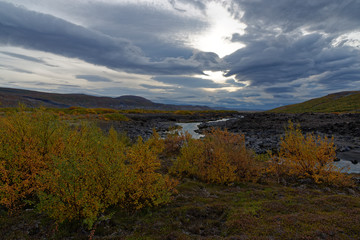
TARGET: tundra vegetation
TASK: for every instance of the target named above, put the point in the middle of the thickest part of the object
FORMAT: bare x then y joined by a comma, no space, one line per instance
70,175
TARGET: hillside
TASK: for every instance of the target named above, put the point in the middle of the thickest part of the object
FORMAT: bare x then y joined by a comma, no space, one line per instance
10,97
336,102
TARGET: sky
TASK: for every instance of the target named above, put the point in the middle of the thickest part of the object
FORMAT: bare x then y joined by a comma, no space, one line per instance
237,54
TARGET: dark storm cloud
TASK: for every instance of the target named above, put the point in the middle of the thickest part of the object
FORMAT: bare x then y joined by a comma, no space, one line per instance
29,29
284,96
277,51
93,78
149,28
191,82
279,89
283,59
320,15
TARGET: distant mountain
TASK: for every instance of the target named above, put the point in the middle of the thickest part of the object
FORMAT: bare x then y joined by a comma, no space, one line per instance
336,102
10,97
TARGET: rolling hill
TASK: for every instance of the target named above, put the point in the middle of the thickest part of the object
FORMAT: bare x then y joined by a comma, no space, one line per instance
10,97
336,102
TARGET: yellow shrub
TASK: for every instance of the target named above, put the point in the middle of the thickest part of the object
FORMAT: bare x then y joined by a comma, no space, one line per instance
307,156
146,187
85,178
27,142
221,157
191,155
76,172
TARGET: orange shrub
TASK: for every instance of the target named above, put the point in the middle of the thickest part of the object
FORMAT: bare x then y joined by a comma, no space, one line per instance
76,172
307,156
174,142
27,142
221,157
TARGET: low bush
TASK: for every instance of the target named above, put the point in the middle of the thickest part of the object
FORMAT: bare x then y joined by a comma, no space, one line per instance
174,142
76,172
221,157
28,140
307,156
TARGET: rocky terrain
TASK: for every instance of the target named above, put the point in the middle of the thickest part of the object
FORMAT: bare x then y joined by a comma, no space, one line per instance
263,130
143,124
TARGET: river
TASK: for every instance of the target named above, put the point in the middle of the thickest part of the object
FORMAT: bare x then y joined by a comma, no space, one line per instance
191,128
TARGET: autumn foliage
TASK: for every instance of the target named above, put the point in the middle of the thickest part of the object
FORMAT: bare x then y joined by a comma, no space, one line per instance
221,157
307,156
28,141
76,172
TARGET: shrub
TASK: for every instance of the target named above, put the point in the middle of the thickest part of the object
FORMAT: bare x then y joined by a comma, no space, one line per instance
27,143
221,157
94,172
115,117
85,178
174,142
76,172
307,156
147,187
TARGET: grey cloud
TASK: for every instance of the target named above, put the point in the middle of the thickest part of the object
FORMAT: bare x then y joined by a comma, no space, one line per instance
320,15
279,89
285,96
29,29
277,51
187,82
148,86
15,69
230,101
24,57
93,78
286,58
209,60
194,3
152,29
233,82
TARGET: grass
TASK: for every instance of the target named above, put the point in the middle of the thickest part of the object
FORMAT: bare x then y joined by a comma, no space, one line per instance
332,103
209,211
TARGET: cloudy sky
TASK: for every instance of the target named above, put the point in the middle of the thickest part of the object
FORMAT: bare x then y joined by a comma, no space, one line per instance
245,54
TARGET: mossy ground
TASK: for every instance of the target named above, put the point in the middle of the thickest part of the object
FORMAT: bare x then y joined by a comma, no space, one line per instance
208,211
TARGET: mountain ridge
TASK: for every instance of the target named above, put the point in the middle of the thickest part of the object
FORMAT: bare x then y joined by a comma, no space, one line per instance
11,97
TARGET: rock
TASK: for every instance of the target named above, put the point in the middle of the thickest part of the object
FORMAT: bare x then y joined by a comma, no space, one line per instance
351,191
306,181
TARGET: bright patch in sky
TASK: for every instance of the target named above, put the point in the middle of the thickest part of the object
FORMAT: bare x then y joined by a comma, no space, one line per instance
351,39
217,76
217,38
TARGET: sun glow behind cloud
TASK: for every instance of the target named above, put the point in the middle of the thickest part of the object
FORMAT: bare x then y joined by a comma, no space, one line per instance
217,38
218,77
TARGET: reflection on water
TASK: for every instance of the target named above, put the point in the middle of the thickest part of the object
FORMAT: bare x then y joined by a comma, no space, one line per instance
348,166
190,128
